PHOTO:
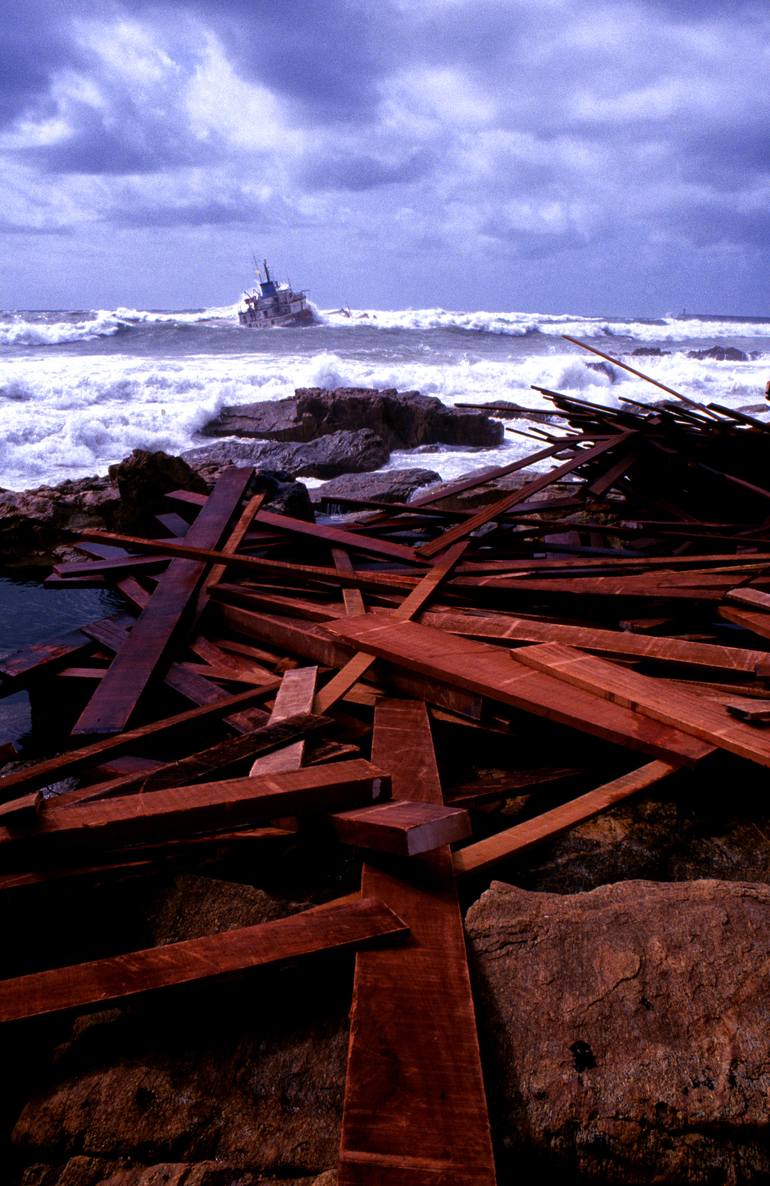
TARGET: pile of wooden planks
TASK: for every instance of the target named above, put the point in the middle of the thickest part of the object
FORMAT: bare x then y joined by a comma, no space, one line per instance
388,681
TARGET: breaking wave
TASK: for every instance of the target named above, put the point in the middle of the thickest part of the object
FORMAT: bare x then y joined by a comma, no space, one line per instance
513,324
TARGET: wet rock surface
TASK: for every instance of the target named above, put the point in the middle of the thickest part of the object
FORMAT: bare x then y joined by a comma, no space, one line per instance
402,419
325,457
625,1030
395,485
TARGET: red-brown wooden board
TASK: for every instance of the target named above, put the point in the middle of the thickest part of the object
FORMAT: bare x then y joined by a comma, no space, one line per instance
610,642
401,827
200,807
700,716
415,1110
117,694
484,854
206,959
486,670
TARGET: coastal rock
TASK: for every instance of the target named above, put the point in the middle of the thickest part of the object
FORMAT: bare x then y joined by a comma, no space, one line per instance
626,1030
246,1077
403,419
394,485
34,522
720,354
142,479
96,1171
326,457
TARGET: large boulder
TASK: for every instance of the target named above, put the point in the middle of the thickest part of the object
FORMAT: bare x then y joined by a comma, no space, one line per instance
34,522
403,419
626,1031
325,457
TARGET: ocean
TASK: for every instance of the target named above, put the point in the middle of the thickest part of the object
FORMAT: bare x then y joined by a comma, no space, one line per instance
80,390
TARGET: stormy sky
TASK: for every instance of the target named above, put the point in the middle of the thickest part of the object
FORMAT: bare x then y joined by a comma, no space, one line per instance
543,155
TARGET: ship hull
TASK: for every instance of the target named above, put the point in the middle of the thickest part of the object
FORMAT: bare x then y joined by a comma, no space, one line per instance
255,319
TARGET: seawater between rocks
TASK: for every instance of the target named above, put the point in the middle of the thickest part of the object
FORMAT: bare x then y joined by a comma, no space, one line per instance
32,614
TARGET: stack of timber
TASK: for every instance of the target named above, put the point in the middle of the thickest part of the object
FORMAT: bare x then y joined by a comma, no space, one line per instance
383,685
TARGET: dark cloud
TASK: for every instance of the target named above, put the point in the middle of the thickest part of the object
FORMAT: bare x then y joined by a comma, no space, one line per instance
361,171
33,44
518,129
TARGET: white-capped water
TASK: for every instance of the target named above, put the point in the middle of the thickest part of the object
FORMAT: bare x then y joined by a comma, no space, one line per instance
78,391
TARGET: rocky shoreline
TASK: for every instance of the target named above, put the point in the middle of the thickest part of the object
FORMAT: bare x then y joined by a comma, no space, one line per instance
620,973
317,433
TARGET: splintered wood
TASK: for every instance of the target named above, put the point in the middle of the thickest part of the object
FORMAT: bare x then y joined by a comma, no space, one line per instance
388,683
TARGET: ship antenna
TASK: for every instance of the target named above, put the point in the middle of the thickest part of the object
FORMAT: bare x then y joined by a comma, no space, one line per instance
267,270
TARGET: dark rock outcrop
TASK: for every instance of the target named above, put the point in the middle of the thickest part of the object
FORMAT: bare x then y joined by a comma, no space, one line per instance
326,457
233,1086
403,419
720,354
394,485
626,1030
142,479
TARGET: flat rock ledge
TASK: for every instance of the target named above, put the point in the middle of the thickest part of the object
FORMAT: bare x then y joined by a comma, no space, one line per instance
402,419
625,1031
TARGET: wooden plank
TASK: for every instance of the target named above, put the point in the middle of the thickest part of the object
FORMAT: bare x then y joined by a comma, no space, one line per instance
402,827
357,667
295,695
317,644
755,599
179,811
699,716
415,1110
118,693
484,854
337,535
486,670
757,623
231,545
611,642
70,763
218,757
204,960
388,580
352,598
19,668
461,530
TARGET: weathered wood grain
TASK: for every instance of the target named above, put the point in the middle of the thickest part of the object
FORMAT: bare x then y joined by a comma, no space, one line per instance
145,648
415,1110
486,670
484,854
203,960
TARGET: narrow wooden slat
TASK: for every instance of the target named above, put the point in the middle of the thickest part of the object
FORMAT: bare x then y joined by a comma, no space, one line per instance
486,670
357,667
699,716
118,693
295,695
756,622
484,854
610,642
337,535
352,598
755,599
70,763
415,1110
318,645
178,811
509,500
203,960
